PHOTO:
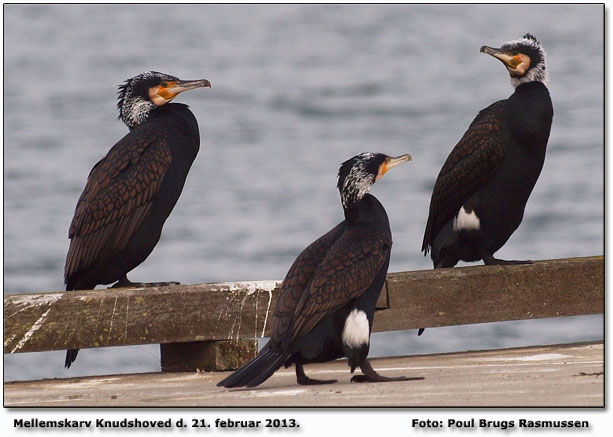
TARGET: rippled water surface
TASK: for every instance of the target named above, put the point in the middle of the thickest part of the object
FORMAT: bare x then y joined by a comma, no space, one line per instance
297,89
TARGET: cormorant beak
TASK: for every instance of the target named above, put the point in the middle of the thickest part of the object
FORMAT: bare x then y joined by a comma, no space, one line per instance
517,64
391,163
168,90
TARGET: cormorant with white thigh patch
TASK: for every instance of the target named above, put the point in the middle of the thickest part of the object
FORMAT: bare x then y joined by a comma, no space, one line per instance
327,302
132,190
481,192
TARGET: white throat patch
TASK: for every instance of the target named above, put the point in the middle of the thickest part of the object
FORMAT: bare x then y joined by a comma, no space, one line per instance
535,74
356,331
136,111
466,221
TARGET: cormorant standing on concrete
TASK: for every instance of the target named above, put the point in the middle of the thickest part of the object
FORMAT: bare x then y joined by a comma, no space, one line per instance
132,190
327,302
481,192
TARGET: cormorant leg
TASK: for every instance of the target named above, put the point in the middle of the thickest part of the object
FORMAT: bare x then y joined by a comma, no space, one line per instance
489,260
445,259
126,283
369,375
420,331
305,380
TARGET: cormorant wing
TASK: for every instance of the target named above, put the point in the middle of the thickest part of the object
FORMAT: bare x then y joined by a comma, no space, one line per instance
347,271
467,168
298,277
118,195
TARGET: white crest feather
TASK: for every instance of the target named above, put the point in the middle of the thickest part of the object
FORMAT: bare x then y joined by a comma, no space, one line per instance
358,181
537,72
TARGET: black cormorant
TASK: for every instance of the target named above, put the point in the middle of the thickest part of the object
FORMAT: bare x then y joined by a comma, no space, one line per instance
481,192
132,190
327,302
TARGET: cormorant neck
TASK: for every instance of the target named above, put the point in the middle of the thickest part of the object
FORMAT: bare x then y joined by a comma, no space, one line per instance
352,212
135,111
538,73
359,210
530,85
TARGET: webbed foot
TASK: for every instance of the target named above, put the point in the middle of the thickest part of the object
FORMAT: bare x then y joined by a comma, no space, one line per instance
491,261
369,375
125,283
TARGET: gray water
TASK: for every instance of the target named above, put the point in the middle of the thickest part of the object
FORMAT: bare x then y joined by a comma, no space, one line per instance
297,89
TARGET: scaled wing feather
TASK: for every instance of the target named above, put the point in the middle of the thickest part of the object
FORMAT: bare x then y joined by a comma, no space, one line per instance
347,271
468,167
118,196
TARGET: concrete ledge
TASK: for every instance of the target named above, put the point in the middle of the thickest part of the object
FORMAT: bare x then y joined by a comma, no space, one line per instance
560,375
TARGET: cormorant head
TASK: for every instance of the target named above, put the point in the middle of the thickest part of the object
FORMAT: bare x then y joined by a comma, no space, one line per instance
523,57
143,93
357,174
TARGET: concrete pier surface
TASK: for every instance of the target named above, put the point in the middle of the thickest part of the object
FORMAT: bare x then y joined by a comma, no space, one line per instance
557,375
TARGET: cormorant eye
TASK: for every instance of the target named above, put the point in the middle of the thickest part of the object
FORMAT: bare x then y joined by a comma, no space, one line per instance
164,84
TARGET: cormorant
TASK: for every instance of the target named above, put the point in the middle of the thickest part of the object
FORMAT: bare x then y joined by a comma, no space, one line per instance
327,302
481,192
132,190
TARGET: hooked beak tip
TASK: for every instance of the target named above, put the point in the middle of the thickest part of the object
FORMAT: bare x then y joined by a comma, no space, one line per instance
490,51
393,162
402,158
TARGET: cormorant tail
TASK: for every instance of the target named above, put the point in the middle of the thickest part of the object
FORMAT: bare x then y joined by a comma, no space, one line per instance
258,370
71,355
